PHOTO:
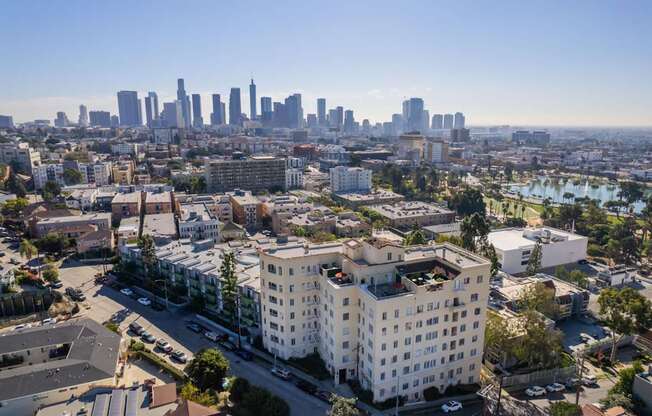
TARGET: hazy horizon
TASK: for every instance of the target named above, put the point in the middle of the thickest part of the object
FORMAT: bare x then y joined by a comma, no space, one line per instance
542,63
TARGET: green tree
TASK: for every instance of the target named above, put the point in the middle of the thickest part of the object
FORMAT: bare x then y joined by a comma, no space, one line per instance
414,238
50,190
564,409
14,208
623,244
630,192
474,231
190,392
208,369
53,243
51,273
72,176
539,347
238,388
489,251
16,186
229,286
468,202
343,407
617,399
147,253
27,249
498,337
534,263
624,312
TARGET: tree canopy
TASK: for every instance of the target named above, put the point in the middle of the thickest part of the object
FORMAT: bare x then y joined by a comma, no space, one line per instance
468,202
208,369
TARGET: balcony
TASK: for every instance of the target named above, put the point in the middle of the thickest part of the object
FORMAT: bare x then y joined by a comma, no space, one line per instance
387,290
336,275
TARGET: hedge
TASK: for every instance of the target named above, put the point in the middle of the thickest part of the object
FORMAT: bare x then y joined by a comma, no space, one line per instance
138,349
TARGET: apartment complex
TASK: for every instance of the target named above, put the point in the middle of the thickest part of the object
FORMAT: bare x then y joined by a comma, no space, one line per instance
405,215
345,179
257,173
74,225
25,156
196,222
393,317
126,205
158,202
49,172
514,247
247,209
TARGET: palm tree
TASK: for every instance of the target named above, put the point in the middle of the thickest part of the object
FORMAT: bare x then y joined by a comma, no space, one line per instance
27,249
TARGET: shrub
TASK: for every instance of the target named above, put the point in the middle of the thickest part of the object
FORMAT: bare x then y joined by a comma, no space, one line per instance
238,389
136,345
313,365
112,327
259,401
431,393
564,409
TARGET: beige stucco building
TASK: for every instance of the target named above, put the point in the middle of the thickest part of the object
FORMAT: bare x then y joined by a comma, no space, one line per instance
398,319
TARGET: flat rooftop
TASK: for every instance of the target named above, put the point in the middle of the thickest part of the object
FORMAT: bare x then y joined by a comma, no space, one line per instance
369,196
126,198
447,252
195,212
515,238
159,224
97,216
158,197
410,209
296,249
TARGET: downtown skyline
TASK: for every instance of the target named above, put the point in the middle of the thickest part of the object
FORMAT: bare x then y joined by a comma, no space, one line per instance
482,59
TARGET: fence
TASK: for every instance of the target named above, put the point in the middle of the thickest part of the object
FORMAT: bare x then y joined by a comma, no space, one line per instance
541,377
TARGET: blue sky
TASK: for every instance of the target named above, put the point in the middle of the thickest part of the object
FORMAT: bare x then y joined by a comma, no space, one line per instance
508,62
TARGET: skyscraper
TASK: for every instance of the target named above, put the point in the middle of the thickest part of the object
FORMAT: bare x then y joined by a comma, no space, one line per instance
448,121
217,116
172,115
397,124
413,114
61,120
151,109
280,117
83,116
437,122
459,121
235,109
252,101
115,121
266,110
100,118
185,103
425,119
349,121
294,111
128,109
321,111
197,119
339,121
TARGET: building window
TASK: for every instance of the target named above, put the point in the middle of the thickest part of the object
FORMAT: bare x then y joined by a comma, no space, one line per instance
345,316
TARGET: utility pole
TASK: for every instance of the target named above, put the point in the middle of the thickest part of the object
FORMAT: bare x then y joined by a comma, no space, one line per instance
580,375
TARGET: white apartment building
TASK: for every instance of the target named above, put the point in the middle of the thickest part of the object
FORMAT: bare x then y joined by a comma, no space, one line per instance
48,172
97,173
345,179
436,151
21,153
514,247
293,178
398,319
125,148
196,222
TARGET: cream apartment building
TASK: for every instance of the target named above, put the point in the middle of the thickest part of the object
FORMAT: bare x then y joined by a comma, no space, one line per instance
398,319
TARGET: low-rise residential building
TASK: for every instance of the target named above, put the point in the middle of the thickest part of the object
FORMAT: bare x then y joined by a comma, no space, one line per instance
158,202
196,222
21,153
74,225
406,215
247,209
124,205
355,200
123,172
615,276
514,247
398,319
52,364
128,231
218,204
432,232
98,173
196,266
82,199
642,387
348,224
571,300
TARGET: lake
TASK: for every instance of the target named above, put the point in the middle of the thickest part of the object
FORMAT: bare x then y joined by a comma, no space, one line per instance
544,187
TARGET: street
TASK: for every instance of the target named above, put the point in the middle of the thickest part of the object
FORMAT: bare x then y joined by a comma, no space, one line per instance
105,301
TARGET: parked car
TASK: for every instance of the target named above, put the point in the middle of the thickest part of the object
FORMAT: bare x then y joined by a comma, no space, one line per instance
535,391
179,356
56,285
49,321
193,327
281,373
163,345
127,291
136,328
228,345
306,386
590,381
212,336
14,261
554,387
452,406
245,355
586,337
323,395
144,301
147,337
572,383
